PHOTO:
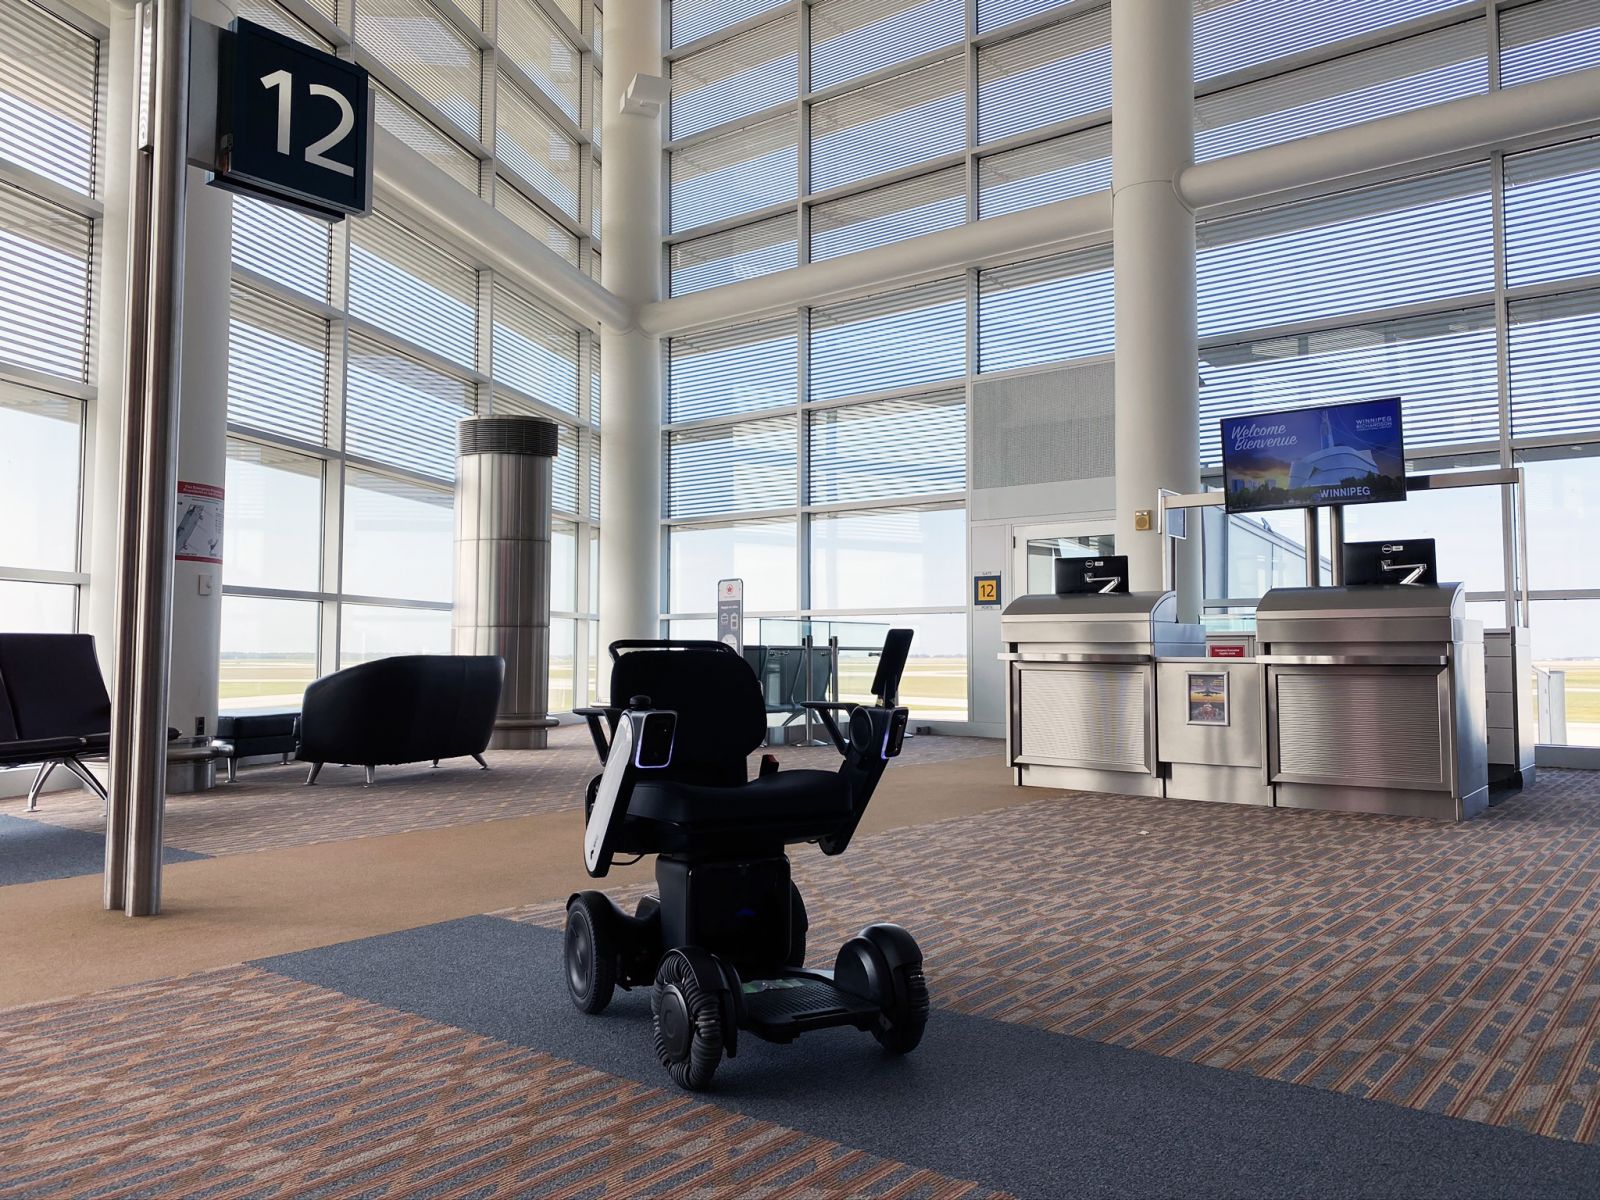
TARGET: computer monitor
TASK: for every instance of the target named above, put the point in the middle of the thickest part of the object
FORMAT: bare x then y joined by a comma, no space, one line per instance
1397,561
1075,576
1313,457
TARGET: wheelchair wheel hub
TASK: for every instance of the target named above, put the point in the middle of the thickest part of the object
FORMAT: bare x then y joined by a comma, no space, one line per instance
677,1029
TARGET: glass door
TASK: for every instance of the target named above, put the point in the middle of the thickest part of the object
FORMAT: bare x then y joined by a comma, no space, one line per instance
1036,548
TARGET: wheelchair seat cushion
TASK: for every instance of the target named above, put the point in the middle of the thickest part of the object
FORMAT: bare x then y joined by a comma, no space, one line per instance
787,798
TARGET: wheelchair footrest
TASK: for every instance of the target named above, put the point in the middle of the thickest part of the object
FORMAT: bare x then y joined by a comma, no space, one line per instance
781,1009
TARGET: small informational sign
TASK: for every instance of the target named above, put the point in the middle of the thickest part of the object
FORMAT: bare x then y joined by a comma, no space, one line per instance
199,523
1226,650
730,613
1208,697
294,124
986,591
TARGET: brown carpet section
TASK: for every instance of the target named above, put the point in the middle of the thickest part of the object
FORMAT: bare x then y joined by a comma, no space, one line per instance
237,1083
1453,968
56,940
270,808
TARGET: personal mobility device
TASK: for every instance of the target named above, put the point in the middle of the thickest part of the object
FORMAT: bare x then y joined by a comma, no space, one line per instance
1412,561
723,944
1311,457
1078,575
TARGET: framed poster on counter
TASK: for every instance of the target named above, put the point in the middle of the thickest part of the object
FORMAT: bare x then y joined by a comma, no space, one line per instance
1208,697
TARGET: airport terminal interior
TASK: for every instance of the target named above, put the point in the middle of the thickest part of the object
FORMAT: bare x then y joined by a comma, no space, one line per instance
799,598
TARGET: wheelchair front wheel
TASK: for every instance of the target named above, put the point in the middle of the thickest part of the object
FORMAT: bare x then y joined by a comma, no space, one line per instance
590,952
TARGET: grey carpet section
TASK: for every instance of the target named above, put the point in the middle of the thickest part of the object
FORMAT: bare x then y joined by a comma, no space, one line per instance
1034,1113
31,851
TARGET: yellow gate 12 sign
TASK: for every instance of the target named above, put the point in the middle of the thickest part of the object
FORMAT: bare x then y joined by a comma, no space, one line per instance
986,591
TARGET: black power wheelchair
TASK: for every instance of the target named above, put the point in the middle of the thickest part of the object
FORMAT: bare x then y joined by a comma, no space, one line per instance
723,944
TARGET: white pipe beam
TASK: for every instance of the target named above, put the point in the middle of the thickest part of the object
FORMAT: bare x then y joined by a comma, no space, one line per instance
1034,231
630,371
1476,123
1152,141
493,235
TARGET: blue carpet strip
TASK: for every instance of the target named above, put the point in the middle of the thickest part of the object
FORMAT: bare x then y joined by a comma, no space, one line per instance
1034,1113
31,851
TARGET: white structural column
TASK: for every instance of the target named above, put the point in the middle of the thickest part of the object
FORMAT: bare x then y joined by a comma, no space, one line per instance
630,359
1152,141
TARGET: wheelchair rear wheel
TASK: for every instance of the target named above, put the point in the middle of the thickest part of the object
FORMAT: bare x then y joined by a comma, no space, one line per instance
590,952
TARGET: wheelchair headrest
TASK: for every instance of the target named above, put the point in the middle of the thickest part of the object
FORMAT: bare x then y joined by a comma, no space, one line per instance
721,714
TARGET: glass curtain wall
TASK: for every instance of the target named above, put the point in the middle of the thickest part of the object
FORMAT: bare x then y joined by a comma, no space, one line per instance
1472,291
51,78
354,351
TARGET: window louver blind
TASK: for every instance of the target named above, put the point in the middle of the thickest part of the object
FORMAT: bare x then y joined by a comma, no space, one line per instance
328,8
1075,165
734,468
597,91
273,16
851,38
1230,35
45,271
403,412
410,288
564,471
1406,75
1552,209
1555,366
426,138
532,41
736,173
277,368
530,144
1052,74
745,74
535,222
1402,243
284,246
895,340
1549,38
1442,368
429,53
889,214
695,19
1047,310
49,77
884,126
992,14
597,33
888,448
594,201
535,351
735,254
730,371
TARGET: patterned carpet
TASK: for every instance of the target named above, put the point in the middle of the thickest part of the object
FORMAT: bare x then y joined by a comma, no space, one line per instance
237,1083
1450,968
269,807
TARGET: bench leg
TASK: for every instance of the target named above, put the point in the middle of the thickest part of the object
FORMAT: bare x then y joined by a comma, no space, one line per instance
38,784
87,776
478,758
233,770
372,773
316,769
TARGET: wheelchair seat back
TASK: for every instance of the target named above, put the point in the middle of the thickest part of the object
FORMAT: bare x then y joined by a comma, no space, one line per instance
722,717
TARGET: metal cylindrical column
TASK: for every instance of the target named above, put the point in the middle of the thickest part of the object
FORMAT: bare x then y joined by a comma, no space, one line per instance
150,455
502,601
630,360
1152,141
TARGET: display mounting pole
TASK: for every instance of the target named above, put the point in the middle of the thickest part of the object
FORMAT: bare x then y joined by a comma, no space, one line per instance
145,526
1313,550
1336,545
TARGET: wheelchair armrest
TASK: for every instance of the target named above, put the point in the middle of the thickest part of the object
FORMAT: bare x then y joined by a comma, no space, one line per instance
598,733
643,741
825,709
876,734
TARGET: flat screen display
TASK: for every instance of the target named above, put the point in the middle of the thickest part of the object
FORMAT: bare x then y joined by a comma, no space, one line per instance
1312,457
1074,576
1411,561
